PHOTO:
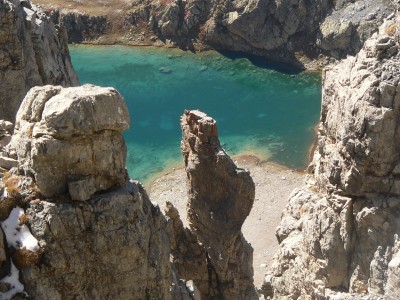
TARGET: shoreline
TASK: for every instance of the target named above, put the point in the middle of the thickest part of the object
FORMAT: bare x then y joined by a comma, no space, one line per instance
310,68
245,158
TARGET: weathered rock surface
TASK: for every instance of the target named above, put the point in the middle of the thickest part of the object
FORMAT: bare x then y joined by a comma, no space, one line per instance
346,29
340,232
5,133
292,31
71,138
113,246
32,52
220,197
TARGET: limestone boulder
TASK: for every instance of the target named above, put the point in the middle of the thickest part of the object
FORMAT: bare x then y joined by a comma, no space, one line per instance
66,136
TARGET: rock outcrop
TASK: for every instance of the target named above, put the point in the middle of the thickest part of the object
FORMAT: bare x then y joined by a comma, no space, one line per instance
80,27
293,31
220,197
71,139
96,234
339,234
33,51
346,29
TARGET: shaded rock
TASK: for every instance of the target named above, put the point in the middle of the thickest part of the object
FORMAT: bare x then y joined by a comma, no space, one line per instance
32,52
67,135
112,246
79,26
82,190
189,258
220,197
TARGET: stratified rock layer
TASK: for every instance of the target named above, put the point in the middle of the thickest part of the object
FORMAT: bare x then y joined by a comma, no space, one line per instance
71,139
32,52
220,197
340,232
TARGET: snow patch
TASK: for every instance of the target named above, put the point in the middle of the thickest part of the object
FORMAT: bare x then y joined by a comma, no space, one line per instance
4,195
12,280
18,236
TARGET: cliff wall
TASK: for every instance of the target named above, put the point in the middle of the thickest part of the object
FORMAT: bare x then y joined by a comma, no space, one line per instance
295,32
33,51
339,234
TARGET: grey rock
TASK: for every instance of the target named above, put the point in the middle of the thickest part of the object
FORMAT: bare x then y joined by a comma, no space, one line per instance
220,197
340,232
80,26
82,190
112,246
8,163
66,135
32,52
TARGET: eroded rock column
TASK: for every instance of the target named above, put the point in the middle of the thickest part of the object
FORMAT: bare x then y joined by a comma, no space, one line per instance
220,197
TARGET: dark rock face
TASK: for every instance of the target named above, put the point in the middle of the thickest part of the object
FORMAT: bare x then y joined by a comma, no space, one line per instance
220,197
80,27
32,52
340,231
279,30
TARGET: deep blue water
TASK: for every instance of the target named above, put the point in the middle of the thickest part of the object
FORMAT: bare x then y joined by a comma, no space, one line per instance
260,108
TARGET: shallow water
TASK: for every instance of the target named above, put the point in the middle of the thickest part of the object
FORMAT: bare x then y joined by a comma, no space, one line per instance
258,109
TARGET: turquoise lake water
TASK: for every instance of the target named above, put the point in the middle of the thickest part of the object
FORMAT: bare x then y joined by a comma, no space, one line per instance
260,108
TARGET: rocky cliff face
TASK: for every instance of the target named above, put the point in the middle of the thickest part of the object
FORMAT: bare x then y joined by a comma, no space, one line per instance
32,52
80,27
292,31
339,234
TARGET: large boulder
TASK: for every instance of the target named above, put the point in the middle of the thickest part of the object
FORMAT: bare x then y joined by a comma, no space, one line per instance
71,138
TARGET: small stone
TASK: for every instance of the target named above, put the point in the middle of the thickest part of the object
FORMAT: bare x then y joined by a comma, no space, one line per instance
8,163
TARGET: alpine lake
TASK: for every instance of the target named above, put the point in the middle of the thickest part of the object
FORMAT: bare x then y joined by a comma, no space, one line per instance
263,109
